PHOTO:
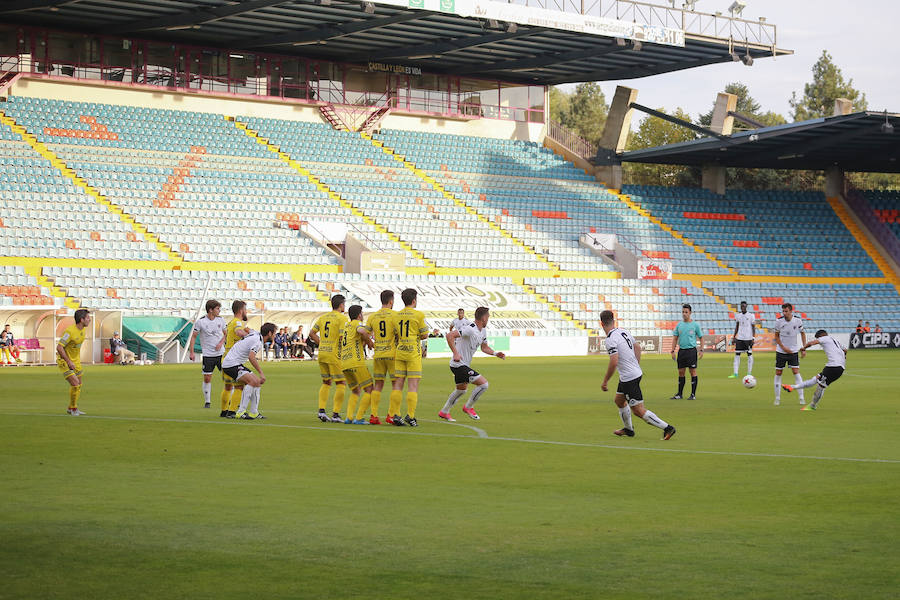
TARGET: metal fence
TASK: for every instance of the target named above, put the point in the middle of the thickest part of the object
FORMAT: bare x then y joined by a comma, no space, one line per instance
571,140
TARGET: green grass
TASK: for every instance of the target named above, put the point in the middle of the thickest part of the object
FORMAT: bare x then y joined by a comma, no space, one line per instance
166,500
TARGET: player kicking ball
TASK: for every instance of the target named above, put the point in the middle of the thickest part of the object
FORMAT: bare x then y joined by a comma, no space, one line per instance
835,363
248,349
463,342
625,357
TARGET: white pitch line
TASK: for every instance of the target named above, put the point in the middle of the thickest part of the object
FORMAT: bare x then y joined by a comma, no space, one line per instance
391,430
481,432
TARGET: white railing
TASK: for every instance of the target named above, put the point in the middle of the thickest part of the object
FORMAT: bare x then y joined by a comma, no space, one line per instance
571,140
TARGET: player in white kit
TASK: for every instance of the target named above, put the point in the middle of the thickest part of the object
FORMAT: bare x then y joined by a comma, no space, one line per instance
248,349
460,321
835,363
744,333
464,342
788,335
625,356
211,330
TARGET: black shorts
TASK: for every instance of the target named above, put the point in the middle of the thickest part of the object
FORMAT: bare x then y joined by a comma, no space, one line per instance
830,374
236,372
791,360
210,363
631,390
743,346
687,358
464,374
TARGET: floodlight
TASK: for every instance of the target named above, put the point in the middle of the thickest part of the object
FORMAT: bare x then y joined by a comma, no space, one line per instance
368,7
493,23
689,4
886,127
747,59
737,7
511,28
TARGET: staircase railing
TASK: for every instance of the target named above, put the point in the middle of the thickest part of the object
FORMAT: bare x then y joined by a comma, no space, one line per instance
570,140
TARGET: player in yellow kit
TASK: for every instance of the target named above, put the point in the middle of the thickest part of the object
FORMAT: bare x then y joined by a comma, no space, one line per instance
327,332
382,325
354,339
235,330
68,359
411,329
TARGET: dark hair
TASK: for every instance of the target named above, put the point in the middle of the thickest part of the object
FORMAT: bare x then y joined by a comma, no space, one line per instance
354,311
743,302
266,329
80,314
387,296
408,296
787,305
336,301
480,312
237,306
821,332
687,306
607,317
212,305
460,309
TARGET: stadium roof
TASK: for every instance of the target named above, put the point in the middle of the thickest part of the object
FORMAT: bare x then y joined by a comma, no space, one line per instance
854,142
524,42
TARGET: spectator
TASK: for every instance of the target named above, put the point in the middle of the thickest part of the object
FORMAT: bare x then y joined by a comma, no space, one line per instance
285,343
877,328
311,345
267,346
278,343
296,344
859,327
120,350
8,348
867,329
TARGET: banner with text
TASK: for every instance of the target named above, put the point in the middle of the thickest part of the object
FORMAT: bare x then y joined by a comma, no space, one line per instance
654,268
863,341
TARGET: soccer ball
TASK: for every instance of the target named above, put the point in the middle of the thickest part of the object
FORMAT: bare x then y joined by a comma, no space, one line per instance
749,382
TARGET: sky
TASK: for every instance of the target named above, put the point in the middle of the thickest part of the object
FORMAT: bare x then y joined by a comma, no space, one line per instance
858,34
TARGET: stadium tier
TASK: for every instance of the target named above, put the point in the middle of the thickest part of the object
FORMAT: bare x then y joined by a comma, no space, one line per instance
880,211
17,288
782,233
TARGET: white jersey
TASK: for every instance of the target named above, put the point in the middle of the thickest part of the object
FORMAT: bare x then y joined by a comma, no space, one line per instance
458,324
210,332
745,323
469,341
834,351
789,332
242,349
620,343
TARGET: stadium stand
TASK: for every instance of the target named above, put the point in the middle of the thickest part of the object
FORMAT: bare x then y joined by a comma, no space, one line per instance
18,288
880,211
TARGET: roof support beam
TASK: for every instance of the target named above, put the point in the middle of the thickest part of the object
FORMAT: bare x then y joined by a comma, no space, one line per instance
23,5
636,71
677,121
444,46
546,60
194,17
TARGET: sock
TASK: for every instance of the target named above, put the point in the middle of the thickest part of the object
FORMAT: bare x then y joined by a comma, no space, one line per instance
236,394
254,401
737,363
339,395
224,398
693,385
817,395
625,413
749,364
807,383
74,392
376,399
680,385
351,406
207,388
778,388
451,400
652,419
324,390
246,396
476,394
396,399
798,381
364,404
412,400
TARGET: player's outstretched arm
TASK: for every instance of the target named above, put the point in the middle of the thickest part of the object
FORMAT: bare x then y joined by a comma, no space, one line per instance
490,351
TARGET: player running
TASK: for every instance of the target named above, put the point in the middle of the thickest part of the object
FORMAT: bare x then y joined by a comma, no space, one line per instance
330,325
248,349
460,321
625,357
835,363
787,329
354,338
235,331
463,343
211,330
382,325
411,329
68,359
742,339
687,333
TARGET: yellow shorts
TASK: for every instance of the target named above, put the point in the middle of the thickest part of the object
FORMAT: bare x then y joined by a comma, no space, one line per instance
358,377
331,369
383,368
409,368
67,372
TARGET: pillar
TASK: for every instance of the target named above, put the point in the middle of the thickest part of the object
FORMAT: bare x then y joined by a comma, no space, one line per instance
713,176
835,183
615,134
842,106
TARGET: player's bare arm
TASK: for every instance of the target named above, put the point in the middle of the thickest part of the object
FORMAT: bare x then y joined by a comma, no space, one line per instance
366,336
221,343
674,346
490,351
778,343
451,342
613,362
734,335
803,349
637,353
314,336
61,351
191,343
255,363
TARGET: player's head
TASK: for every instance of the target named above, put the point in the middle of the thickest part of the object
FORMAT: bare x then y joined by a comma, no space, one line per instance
482,314
355,312
115,334
787,309
867,323
607,319
213,307
387,299
82,317
743,306
686,312
337,302
267,331
821,332
409,296
860,322
461,313
239,310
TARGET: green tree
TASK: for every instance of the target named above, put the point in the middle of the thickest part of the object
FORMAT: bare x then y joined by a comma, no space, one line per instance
654,132
747,106
559,106
584,111
828,84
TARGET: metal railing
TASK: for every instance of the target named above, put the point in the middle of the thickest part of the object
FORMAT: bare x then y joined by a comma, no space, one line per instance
571,140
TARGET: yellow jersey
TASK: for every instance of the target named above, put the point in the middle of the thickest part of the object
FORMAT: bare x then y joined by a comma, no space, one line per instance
71,340
329,327
231,338
383,327
353,353
410,329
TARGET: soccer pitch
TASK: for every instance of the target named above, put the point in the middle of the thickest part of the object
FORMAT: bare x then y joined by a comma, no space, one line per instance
151,496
